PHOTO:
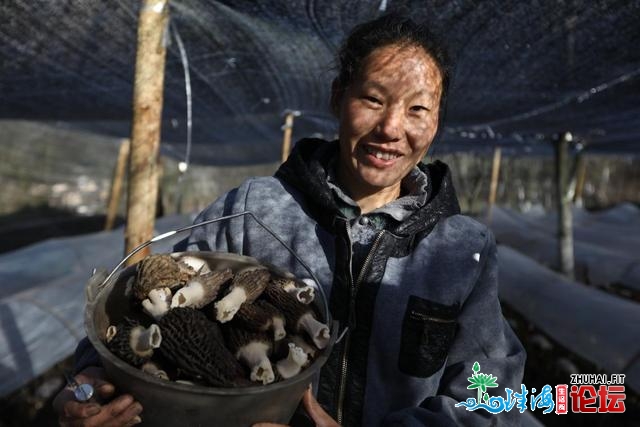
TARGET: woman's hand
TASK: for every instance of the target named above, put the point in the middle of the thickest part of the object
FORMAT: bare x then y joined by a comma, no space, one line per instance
102,410
315,411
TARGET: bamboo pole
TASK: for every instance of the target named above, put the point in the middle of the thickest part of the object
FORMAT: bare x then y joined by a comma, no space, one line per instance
160,210
288,129
565,226
495,174
116,184
145,132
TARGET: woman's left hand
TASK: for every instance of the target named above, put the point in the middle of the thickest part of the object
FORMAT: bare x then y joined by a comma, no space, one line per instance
315,411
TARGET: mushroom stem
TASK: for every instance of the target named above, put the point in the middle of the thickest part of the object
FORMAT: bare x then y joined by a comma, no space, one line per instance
201,290
279,331
194,290
299,341
305,295
319,332
199,265
189,295
112,331
157,303
228,306
293,363
144,340
255,357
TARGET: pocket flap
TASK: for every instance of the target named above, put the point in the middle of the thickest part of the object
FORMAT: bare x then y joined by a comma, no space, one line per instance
428,330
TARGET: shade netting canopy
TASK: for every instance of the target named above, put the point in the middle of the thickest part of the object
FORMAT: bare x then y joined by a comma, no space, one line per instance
524,70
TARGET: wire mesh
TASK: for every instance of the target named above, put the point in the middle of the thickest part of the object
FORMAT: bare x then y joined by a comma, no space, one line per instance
524,70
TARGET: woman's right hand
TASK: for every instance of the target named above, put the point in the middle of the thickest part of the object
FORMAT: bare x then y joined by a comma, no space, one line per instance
102,410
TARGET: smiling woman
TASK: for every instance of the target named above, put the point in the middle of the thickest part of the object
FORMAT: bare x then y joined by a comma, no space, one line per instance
388,118
412,282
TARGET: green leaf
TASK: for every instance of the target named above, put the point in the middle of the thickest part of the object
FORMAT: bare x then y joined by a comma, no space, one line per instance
476,367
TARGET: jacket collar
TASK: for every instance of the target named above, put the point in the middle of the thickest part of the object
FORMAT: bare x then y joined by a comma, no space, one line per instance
306,170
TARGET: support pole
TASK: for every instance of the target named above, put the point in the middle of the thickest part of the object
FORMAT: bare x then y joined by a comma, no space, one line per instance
116,184
581,171
495,175
145,132
565,226
288,128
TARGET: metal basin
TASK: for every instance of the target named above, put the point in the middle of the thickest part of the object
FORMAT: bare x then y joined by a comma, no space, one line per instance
167,403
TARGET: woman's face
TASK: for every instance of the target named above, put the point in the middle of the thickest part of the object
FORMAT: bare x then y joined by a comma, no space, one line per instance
388,117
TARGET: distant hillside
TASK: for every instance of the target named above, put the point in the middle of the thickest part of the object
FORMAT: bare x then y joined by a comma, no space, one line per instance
49,165
56,181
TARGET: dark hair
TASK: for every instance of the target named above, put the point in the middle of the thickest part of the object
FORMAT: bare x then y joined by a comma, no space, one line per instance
383,31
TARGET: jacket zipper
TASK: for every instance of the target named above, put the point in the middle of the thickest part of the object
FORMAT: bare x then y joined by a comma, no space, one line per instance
351,315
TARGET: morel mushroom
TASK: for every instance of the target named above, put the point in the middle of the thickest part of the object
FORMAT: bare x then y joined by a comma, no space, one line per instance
194,345
201,290
157,303
153,369
245,287
261,317
198,265
160,271
132,342
293,363
299,317
253,349
304,294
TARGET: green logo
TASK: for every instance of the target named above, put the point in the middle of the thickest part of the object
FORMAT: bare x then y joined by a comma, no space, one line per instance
481,382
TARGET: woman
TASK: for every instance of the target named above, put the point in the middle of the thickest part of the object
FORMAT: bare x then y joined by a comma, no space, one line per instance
414,282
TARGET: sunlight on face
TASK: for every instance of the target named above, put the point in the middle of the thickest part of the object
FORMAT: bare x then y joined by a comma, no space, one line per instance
388,118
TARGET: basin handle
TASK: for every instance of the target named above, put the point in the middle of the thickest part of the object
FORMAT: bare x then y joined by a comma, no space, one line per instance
96,285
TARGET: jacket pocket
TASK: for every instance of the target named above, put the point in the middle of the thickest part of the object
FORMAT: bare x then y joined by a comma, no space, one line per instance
428,329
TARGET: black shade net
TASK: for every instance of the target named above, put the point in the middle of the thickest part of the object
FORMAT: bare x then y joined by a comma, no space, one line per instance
525,71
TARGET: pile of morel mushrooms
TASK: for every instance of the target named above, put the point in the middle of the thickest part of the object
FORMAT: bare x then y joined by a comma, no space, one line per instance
217,328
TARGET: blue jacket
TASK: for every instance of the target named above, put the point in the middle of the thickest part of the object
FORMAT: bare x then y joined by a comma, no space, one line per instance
421,304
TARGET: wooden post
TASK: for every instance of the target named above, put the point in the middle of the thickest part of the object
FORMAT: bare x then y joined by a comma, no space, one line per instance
116,184
145,132
288,128
495,174
581,171
565,226
160,211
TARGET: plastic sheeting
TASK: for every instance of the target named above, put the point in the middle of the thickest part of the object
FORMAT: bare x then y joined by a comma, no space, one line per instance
525,70
42,298
595,262
599,327
622,237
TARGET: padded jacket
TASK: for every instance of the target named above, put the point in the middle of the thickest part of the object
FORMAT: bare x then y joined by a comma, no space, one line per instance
423,305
